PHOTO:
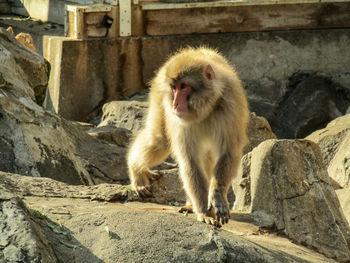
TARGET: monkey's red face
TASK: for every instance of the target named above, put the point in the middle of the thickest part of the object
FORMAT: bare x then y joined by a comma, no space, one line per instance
181,91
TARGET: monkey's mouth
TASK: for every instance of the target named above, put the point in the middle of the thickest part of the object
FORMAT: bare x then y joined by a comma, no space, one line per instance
180,113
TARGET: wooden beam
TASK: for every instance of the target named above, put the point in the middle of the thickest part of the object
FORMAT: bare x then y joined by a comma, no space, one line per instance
159,5
246,18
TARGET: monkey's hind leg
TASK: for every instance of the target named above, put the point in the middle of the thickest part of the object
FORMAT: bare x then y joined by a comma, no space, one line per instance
145,153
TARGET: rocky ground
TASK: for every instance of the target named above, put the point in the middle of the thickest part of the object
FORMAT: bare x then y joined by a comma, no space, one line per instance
65,194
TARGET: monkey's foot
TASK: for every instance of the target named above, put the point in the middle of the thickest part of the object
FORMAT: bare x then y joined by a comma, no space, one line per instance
210,220
187,208
142,182
221,209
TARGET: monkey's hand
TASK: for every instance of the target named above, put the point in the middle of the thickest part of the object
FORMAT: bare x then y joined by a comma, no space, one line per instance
142,182
219,204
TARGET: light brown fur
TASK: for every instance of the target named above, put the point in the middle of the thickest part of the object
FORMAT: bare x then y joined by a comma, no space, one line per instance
207,144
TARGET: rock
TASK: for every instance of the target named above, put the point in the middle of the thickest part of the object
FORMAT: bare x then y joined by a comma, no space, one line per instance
284,185
124,114
344,199
311,102
171,237
21,239
167,189
334,141
259,130
12,185
34,69
38,143
112,134
35,142
138,234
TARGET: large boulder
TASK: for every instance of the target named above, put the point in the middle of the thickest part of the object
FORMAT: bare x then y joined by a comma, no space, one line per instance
311,102
285,186
334,141
35,142
31,69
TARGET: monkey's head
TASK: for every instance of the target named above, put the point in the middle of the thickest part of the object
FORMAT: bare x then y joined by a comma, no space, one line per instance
193,88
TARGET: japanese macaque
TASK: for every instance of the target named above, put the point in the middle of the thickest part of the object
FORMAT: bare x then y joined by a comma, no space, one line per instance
198,112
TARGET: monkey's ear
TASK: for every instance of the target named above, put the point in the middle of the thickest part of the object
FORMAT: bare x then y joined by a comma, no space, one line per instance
209,72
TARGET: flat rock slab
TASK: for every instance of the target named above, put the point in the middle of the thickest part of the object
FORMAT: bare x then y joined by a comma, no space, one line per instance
68,223
145,232
166,190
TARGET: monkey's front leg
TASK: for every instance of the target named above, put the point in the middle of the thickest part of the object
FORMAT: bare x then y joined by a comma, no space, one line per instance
145,152
224,172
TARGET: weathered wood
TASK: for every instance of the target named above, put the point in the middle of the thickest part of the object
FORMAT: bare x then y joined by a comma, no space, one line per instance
162,4
247,18
89,21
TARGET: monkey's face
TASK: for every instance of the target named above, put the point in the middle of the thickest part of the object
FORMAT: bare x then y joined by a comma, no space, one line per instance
193,93
181,91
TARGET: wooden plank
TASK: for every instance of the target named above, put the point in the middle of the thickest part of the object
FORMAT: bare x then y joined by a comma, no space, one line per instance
89,8
157,5
78,24
247,18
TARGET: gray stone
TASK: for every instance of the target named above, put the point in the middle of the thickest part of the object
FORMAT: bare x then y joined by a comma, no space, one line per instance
22,240
344,199
137,234
34,69
259,130
170,236
285,185
13,254
112,134
311,102
124,114
334,141
167,189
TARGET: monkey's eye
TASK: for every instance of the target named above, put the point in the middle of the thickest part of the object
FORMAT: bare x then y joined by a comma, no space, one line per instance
183,86
173,88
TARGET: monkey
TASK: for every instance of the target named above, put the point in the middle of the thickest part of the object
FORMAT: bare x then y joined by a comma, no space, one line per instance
198,112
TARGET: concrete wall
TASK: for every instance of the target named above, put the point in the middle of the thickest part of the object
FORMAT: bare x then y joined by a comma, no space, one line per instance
86,74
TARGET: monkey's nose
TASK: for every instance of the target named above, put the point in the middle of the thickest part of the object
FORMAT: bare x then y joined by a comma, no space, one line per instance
175,106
